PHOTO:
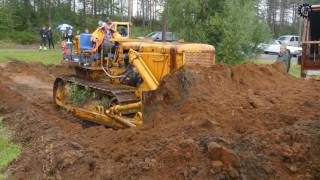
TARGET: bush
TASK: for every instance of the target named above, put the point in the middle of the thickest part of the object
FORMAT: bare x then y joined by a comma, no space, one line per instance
22,37
78,94
140,31
232,26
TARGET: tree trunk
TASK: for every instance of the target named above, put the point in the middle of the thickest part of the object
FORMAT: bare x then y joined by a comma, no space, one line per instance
130,10
92,7
49,13
143,13
107,8
70,4
165,21
111,7
84,12
27,9
74,6
121,9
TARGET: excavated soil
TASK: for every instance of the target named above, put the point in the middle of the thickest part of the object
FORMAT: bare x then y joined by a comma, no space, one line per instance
246,122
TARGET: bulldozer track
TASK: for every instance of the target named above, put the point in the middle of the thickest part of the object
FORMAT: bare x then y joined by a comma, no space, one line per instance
123,94
74,119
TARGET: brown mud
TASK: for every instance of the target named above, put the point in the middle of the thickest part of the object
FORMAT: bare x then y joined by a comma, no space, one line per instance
247,122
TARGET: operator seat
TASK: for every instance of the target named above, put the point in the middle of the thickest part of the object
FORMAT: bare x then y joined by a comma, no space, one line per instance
86,47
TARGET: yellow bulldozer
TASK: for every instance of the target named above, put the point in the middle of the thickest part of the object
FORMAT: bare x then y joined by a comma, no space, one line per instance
110,90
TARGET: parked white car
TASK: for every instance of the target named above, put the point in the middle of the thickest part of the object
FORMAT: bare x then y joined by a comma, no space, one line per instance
289,40
274,48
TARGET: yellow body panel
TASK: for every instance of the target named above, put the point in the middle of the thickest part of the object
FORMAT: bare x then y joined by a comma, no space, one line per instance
118,25
164,57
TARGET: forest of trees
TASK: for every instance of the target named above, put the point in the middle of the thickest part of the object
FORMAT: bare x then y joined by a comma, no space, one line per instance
282,15
235,27
30,14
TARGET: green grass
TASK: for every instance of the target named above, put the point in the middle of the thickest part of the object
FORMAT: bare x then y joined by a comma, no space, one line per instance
31,55
79,95
140,32
21,37
8,150
294,69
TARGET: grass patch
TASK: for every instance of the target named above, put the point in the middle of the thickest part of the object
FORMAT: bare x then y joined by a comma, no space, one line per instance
104,101
140,32
31,55
78,94
8,150
21,37
295,70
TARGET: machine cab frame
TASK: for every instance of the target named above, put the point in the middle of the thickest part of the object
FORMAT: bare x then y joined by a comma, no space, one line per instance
310,59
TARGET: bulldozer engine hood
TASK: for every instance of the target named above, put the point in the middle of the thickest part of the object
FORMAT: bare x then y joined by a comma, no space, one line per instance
166,47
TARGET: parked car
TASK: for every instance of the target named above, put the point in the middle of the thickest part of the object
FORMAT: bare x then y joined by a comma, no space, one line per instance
274,48
157,36
289,40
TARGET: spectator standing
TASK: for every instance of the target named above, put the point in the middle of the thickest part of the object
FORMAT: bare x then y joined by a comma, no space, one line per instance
50,38
43,38
284,56
69,45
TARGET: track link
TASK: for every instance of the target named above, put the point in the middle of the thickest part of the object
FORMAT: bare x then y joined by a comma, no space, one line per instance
123,94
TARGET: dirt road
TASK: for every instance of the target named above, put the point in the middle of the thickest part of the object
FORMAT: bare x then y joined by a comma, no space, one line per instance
247,122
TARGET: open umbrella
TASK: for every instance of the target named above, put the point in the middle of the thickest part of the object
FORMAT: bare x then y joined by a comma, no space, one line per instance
64,27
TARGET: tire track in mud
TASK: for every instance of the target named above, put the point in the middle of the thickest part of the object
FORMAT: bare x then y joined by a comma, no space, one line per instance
56,145
33,115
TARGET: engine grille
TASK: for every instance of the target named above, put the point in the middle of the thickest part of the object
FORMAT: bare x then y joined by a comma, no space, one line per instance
204,58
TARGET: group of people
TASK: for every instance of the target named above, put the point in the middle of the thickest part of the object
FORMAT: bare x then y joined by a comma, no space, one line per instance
46,35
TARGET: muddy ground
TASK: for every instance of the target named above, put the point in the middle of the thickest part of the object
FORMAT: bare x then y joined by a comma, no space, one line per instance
246,122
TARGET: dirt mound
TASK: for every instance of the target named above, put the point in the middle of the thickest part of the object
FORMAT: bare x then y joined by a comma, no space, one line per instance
246,122
252,110
217,82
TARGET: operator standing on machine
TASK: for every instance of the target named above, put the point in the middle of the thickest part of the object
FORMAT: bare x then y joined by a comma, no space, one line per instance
102,36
